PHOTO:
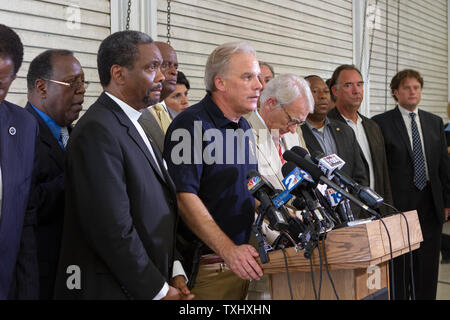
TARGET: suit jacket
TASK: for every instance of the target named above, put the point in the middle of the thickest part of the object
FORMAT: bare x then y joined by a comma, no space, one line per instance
400,159
347,149
152,129
48,199
18,262
269,162
378,153
120,213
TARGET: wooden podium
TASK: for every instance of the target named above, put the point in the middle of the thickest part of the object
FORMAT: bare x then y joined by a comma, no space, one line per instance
357,258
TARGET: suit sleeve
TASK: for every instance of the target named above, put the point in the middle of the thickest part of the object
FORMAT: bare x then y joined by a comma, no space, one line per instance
97,181
444,168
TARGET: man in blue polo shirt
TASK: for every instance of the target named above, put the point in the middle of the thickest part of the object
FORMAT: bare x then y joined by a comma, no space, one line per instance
209,149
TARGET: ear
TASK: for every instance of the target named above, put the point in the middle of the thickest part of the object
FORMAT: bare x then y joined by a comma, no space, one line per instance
118,74
219,83
272,103
40,86
333,90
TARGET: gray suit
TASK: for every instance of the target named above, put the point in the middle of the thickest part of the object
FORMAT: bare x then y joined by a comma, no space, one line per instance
152,129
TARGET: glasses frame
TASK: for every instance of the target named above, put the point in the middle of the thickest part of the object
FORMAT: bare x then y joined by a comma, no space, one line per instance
293,121
73,85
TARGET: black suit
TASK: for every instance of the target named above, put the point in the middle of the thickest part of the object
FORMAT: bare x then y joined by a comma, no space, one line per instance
347,149
376,144
430,202
48,199
121,211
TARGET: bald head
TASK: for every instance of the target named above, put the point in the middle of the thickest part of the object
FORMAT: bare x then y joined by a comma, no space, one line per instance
168,68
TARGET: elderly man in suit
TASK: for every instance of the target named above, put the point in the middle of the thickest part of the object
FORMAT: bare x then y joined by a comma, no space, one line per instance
56,89
285,103
18,262
347,86
121,211
156,119
420,178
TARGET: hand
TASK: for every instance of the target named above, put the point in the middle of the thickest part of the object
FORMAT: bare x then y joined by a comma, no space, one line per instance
172,294
179,282
241,260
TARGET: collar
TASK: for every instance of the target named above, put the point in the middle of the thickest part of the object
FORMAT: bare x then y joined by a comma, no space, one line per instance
217,115
406,112
55,128
163,103
311,127
131,113
358,120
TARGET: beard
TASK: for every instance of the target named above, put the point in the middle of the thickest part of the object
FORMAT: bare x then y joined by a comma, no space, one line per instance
153,95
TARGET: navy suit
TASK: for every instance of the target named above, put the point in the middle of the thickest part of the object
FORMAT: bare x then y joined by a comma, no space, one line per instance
120,211
18,263
49,202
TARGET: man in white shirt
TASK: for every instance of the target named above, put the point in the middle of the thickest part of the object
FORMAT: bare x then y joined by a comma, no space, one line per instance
121,210
347,86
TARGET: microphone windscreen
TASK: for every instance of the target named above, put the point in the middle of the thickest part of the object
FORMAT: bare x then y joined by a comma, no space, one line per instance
287,168
300,151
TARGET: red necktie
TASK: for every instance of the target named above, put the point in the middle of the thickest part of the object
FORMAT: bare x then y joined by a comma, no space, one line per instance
280,153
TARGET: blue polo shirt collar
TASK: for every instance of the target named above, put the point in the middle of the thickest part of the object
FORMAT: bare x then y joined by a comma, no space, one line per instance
217,116
55,128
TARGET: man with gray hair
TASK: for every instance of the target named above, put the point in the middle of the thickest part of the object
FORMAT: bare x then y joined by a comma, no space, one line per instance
214,203
285,103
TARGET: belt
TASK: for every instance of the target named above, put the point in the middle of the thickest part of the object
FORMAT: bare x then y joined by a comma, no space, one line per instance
211,259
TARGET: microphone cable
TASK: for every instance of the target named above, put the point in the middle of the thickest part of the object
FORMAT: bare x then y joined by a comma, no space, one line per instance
327,268
391,265
411,267
283,249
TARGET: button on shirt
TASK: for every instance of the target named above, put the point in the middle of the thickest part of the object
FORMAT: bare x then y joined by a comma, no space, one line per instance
407,119
220,183
324,137
134,115
360,133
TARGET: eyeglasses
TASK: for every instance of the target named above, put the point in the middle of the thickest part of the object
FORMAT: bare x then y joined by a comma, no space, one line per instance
75,84
293,121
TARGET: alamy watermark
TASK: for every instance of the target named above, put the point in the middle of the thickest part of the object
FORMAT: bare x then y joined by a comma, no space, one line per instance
73,17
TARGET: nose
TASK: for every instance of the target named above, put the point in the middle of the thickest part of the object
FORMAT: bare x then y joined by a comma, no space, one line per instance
185,100
159,77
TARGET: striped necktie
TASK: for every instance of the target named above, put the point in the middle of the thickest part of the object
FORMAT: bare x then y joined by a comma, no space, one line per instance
420,178
64,137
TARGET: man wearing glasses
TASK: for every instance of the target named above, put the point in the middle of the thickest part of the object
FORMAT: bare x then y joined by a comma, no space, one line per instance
285,103
56,89
347,87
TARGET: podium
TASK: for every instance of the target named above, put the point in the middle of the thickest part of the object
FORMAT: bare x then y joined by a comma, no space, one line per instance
357,259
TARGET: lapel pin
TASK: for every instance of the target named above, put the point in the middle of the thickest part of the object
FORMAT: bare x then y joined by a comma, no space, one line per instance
12,131
338,129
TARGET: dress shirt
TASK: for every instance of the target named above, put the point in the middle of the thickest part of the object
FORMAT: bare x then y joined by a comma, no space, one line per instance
324,137
134,115
55,128
360,133
407,119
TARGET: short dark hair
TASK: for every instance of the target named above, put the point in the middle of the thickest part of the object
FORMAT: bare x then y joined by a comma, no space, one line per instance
11,46
181,79
119,48
42,66
328,82
337,73
401,76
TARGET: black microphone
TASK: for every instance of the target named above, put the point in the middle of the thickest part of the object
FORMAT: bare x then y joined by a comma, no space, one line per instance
318,175
366,194
262,190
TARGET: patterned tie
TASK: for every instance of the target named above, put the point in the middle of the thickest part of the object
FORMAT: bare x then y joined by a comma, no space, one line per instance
64,136
163,116
420,178
280,153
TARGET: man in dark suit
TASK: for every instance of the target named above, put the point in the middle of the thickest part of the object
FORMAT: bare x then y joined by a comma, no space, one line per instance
347,87
420,179
330,136
121,211
18,131
156,119
56,89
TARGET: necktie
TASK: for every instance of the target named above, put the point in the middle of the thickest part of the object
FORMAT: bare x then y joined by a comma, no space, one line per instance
64,137
418,159
163,116
280,153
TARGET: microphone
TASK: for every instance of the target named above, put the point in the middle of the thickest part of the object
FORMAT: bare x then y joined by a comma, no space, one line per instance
318,175
331,166
262,190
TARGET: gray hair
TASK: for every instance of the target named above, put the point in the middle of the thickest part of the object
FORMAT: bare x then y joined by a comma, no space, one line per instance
262,63
219,60
286,88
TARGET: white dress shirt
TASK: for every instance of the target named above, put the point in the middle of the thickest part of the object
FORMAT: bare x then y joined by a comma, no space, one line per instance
364,144
134,115
407,119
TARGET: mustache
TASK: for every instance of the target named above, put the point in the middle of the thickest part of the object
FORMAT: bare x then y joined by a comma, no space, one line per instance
159,86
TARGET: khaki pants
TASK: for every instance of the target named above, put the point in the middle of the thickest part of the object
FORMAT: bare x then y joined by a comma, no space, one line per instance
217,282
